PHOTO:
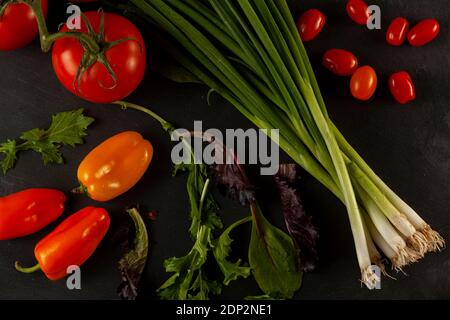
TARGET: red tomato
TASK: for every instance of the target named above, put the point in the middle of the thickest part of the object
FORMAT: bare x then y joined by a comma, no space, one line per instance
310,24
340,62
423,32
397,31
126,59
358,10
402,87
18,25
363,83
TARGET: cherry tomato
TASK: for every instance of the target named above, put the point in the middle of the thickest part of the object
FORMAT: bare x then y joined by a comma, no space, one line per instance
310,24
340,62
18,25
363,83
402,87
126,59
397,31
358,10
423,32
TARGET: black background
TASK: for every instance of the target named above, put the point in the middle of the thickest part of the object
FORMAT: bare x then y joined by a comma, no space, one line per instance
408,146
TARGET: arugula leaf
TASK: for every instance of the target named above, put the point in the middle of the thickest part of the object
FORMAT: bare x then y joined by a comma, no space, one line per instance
133,262
195,184
67,128
222,248
204,287
272,258
197,175
189,280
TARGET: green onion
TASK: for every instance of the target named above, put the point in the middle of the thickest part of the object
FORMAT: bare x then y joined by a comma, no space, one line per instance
249,52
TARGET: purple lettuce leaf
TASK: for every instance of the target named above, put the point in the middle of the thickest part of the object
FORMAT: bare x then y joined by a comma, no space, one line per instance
299,224
232,179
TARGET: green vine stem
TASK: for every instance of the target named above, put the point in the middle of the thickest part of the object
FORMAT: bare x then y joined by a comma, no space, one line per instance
47,39
128,105
2,8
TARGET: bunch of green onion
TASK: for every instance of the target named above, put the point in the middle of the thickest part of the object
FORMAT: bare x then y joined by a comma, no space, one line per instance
249,52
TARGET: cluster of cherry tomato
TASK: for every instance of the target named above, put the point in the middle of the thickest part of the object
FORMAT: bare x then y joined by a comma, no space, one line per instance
363,82
111,73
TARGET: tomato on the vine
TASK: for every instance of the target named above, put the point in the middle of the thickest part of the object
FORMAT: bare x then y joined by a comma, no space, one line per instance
110,74
18,26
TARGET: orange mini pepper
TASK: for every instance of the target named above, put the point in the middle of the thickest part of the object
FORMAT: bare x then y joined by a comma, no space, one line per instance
71,243
114,166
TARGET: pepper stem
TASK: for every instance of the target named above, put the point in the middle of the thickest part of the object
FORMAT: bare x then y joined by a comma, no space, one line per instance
27,270
79,190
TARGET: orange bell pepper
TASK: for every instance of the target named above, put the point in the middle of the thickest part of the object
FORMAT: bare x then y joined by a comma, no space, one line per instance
71,243
114,166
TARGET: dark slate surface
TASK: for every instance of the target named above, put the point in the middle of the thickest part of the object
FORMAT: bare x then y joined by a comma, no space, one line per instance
407,145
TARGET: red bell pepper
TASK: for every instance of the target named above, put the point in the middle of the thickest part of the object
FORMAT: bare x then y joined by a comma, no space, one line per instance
71,243
28,211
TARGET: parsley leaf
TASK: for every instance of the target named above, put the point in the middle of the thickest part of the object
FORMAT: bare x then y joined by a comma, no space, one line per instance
9,149
67,128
